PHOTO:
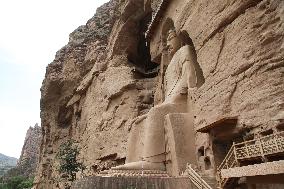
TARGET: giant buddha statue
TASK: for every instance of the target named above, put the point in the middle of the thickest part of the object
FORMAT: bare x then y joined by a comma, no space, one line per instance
180,77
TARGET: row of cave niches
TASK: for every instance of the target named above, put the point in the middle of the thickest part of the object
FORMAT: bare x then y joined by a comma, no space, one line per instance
97,182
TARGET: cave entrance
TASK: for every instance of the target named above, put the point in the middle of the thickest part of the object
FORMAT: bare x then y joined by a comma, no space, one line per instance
140,56
223,133
220,149
207,163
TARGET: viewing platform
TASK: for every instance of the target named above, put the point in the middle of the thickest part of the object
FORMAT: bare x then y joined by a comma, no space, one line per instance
242,159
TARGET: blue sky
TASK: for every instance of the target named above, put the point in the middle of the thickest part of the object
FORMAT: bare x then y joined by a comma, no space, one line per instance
31,32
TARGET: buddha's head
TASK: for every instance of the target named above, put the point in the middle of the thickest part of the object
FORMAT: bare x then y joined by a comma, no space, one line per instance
173,42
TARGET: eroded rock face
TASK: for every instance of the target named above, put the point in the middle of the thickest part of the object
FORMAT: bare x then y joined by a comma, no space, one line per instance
28,161
239,46
92,92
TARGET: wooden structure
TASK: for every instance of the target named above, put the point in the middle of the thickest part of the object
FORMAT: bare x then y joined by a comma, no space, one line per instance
262,147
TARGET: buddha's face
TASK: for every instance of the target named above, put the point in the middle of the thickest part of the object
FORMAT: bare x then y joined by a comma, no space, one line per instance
173,43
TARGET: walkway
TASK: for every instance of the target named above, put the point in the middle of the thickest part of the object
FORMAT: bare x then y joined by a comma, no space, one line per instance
264,147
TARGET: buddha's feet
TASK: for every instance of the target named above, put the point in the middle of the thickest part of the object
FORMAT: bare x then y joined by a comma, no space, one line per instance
141,165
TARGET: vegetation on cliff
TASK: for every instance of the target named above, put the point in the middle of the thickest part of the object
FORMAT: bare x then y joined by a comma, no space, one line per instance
17,182
69,164
19,174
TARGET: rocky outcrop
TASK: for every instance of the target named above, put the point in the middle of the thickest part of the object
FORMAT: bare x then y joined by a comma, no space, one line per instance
104,78
92,92
28,161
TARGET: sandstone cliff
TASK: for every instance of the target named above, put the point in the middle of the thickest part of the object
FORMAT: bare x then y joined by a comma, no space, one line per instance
28,161
91,92
104,77
239,47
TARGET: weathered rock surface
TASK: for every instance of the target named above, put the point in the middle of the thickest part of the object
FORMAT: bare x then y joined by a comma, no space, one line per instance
92,92
28,161
239,46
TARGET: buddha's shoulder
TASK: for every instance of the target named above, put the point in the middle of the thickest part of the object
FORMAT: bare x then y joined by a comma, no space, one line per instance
183,52
185,47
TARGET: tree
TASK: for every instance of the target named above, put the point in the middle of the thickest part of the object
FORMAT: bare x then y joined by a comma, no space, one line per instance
27,183
17,182
69,165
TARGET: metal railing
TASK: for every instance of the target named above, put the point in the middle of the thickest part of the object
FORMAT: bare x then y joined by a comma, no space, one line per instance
259,147
196,178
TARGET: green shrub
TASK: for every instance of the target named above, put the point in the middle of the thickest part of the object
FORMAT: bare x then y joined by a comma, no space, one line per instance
26,184
17,182
68,160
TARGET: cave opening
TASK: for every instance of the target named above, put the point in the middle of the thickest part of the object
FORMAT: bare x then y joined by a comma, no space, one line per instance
207,163
200,152
140,57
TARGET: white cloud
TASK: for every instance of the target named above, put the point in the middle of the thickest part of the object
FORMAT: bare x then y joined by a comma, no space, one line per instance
31,33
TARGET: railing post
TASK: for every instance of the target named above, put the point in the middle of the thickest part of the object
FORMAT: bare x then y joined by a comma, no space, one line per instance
247,155
227,166
261,150
235,154
275,140
258,147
